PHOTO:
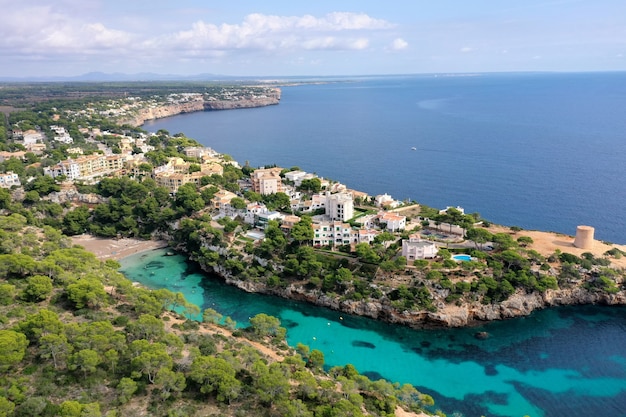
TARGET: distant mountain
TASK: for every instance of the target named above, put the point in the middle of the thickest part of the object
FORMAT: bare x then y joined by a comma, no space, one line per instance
120,77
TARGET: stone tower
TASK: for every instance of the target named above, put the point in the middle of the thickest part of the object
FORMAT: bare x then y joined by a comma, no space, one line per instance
584,237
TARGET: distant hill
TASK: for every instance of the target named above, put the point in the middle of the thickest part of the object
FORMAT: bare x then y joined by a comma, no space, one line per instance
118,76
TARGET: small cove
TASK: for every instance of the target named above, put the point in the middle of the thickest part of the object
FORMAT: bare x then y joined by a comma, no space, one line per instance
566,361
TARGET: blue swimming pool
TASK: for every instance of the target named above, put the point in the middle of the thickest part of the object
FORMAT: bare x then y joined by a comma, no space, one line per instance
462,258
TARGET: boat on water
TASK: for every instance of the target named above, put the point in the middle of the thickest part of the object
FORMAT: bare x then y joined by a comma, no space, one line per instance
413,148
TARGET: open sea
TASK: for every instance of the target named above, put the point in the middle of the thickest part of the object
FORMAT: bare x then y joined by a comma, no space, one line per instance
540,151
544,151
561,362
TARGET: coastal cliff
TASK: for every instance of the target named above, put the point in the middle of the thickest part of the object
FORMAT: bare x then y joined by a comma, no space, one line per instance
448,315
199,102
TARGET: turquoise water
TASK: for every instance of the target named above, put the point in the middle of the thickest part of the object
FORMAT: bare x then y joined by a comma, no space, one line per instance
464,258
559,362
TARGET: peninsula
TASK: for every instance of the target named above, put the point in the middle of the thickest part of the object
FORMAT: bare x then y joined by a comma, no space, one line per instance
284,231
80,167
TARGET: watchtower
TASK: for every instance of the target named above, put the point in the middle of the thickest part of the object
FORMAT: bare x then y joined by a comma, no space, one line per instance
584,237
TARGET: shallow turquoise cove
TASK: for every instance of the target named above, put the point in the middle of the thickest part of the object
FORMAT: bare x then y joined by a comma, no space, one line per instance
557,362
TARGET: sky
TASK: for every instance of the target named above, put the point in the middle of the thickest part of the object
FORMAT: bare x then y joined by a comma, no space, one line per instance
309,38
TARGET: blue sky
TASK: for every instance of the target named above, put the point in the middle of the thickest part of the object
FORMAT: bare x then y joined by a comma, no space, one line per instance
319,37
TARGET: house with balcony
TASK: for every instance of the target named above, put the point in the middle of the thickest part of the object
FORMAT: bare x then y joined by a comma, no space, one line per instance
331,233
415,248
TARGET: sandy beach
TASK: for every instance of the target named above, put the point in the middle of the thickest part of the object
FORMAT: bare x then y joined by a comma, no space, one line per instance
116,249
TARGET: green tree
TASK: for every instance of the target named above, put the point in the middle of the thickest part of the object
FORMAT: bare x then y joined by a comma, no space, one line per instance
54,346
169,382
238,203
479,236
86,360
302,231
149,359
266,325
87,292
76,221
125,389
6,407
211,316
12,348
70,408
38,287
215,374
316,359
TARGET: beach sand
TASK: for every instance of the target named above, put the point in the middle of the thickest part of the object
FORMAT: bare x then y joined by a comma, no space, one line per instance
117,249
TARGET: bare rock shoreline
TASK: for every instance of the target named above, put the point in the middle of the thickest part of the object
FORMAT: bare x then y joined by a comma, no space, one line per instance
519,304
271,97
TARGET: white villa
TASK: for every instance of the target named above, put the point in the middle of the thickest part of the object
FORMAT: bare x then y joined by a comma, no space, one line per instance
9,179
416,248
393,221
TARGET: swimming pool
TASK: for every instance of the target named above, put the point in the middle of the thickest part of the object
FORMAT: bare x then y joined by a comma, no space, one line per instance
462,258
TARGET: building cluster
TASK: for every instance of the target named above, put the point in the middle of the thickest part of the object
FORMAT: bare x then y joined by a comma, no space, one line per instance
332,227
333,209
87,167
177,172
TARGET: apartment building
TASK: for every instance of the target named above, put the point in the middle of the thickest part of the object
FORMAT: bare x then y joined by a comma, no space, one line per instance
267,181
339,206
331,233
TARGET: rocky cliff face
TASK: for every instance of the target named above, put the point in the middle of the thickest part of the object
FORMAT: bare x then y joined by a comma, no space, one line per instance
200,104
468,314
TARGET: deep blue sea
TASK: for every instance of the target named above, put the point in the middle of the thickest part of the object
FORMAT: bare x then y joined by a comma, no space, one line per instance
541,151
562,362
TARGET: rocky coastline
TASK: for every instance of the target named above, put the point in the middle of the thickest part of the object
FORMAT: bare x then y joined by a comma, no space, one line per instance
201,103
520,304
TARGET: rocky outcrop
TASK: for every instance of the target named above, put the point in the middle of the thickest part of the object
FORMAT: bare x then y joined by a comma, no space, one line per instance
200,103
73,196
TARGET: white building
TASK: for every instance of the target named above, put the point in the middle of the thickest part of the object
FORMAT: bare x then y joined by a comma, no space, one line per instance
252,211
393,221
61,134
459,208
32,137
295,176
70,168
339,206
9,179
331,233
385,200
363,235
416,248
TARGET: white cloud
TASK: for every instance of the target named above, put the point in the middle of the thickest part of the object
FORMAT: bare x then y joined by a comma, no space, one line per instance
76,34
267,32
399,44
466,49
